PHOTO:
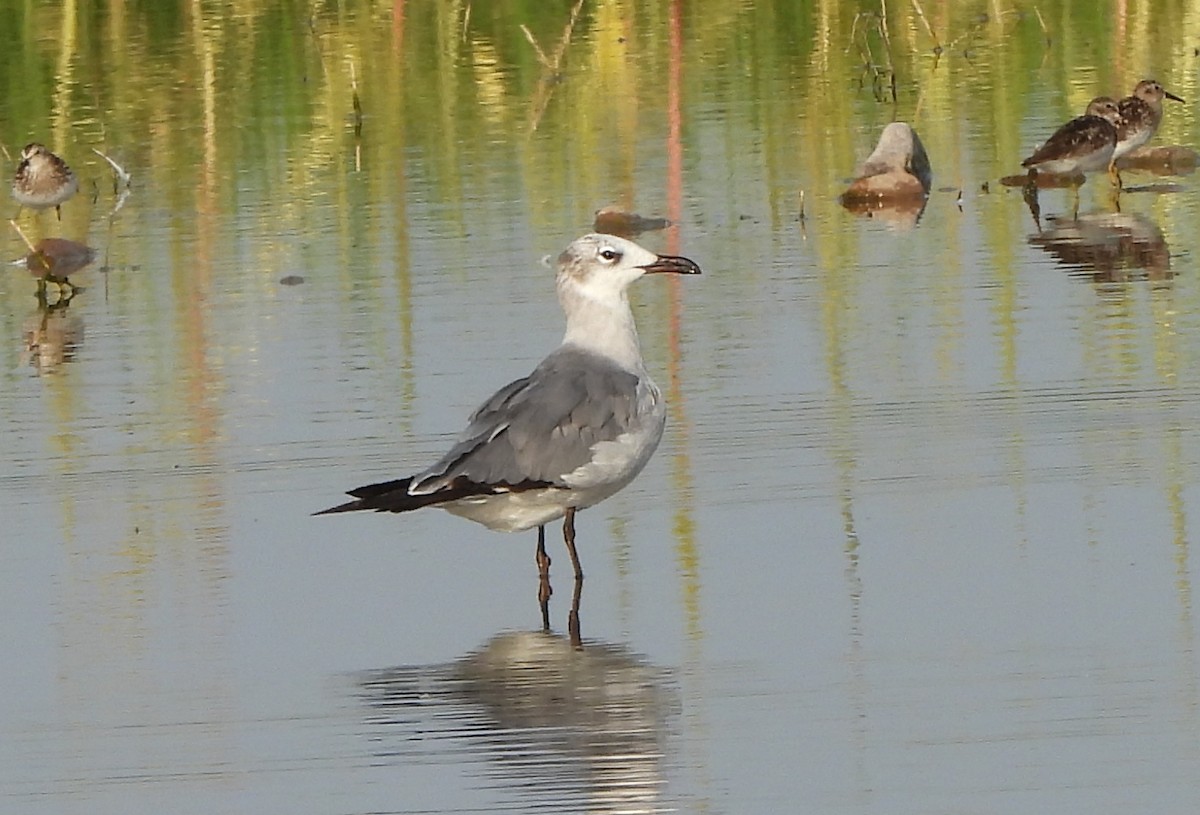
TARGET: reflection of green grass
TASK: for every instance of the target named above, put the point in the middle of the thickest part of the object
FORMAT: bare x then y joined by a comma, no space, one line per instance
447,96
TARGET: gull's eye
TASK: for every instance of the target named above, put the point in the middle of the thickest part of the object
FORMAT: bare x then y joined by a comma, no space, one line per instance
609,255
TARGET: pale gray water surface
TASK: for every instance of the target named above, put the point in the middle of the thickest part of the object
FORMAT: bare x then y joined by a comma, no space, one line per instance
918,538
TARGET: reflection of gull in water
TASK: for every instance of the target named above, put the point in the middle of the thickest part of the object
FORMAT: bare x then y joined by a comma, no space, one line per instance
574,730
1109,247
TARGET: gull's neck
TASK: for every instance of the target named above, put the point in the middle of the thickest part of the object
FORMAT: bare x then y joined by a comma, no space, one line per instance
600,321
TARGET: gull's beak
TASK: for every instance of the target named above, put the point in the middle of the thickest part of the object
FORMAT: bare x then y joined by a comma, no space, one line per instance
1170,95
671,264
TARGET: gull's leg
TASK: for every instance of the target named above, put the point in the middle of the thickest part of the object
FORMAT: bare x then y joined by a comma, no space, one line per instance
573,618
569,538
542,559
544,590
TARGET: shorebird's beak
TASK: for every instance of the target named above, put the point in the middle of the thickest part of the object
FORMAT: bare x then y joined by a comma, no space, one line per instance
1170,95
672,264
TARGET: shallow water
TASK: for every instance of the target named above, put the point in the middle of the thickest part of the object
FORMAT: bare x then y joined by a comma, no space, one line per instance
917,538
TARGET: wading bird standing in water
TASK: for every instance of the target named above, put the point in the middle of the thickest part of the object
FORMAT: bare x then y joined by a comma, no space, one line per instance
569,435
43,180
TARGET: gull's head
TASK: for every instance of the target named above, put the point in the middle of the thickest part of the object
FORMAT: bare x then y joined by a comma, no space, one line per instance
601,266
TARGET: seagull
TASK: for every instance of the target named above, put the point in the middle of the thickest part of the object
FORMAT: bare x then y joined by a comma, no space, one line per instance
43,179
573,432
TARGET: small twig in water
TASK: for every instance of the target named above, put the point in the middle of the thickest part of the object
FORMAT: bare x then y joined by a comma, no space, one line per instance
541,55
1042,23
937,45
13,224
354,101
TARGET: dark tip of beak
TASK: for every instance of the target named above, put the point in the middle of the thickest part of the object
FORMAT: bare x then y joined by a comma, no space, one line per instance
1170,95
672,264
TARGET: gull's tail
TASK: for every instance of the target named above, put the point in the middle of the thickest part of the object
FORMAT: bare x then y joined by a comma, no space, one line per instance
393,496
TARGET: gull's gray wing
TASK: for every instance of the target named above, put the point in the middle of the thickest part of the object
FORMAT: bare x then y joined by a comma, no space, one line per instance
540,428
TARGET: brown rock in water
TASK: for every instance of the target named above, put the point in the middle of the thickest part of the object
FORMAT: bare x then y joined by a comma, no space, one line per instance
1169,159
898,170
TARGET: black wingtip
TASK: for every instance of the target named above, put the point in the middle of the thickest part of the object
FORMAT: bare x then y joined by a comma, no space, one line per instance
350,506
368,497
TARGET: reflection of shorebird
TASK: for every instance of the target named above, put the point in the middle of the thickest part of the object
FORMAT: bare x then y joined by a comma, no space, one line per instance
569,435
52,335
1141,114
580,731
43,180
1083,145
54,260
1110,247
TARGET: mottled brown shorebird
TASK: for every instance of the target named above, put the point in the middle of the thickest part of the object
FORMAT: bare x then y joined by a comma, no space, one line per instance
1141,114
43,180
1083,145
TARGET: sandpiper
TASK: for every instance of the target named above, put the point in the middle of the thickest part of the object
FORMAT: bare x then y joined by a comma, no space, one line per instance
43,179
1141,114
1083,145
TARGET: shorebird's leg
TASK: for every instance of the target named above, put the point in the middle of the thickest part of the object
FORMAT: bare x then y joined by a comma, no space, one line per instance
1114,175
573,617
58,211
569,538
1029,192
65,286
